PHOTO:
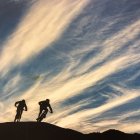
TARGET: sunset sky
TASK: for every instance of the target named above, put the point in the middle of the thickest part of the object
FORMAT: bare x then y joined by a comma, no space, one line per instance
84,55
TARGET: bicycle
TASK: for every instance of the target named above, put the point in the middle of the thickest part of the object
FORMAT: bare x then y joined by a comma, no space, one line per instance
18,115
42,116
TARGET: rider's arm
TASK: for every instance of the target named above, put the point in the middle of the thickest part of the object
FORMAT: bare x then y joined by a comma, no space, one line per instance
50,108
40,102
26,107
16,103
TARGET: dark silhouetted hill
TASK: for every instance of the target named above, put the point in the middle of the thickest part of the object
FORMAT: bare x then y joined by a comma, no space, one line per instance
45,131
113,135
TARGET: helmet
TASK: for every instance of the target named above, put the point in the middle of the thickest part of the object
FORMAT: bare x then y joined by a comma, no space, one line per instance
47,100
23,101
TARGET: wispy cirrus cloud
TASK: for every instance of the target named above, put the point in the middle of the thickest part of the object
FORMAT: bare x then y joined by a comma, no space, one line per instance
38,29
88,71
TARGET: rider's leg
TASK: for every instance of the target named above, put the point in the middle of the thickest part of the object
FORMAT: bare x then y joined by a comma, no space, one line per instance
40,112
41,115
45,113
17,115
15,118
21,111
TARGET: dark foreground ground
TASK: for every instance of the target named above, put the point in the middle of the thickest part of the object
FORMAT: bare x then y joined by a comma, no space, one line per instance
44,131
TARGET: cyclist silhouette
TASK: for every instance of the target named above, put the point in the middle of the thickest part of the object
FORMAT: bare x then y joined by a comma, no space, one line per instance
21,105
44,105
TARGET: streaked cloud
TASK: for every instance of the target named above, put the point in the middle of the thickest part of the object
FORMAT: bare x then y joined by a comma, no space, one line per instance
41,26
89,74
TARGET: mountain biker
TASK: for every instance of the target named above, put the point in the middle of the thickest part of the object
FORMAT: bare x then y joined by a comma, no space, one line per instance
44,105
21,105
